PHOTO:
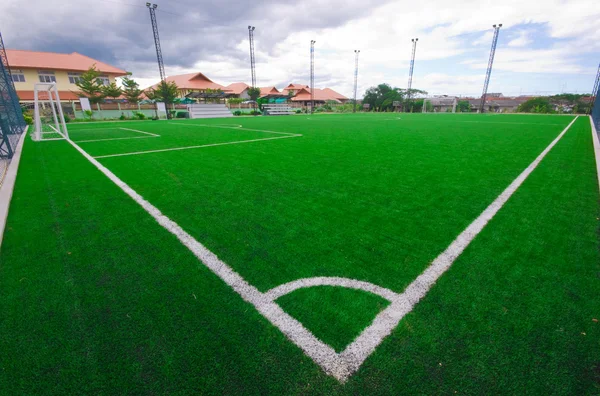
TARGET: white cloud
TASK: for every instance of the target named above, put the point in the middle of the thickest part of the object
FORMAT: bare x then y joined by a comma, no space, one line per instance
452,52
521,40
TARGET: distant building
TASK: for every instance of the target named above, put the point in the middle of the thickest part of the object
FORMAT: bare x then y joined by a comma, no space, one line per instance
238,90
30,67
192,82
302,94
500,104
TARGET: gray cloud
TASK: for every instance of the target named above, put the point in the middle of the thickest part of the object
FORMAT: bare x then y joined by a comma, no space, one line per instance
119,32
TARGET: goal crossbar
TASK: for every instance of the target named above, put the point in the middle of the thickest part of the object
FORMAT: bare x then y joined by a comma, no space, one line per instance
49,118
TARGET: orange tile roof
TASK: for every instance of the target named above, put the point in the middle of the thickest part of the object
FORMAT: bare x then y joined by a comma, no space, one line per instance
63,95
264,91
319,94
21,59
193,81
237,88
294,87
334,94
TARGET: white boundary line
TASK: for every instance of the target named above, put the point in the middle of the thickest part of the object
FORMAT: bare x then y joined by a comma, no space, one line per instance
151,135
342,365
193,147
138,131
8,184
596,143
237,128
109,139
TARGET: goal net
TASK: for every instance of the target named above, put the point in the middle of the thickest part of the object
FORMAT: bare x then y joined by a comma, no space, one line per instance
49,119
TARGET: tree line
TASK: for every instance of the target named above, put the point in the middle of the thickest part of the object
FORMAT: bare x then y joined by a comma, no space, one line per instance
92,87
557,104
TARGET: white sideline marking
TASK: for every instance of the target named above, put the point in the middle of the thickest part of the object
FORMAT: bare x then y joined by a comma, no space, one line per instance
321,353
596,147
194,147
342,365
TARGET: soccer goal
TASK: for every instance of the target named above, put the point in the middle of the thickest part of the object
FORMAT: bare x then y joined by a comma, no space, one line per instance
49,119
439,105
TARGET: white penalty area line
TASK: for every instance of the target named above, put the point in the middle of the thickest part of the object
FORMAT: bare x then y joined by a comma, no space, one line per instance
237,127
149,135
339,365
195,147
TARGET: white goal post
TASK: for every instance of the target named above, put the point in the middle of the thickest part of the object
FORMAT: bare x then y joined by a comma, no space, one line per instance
48,115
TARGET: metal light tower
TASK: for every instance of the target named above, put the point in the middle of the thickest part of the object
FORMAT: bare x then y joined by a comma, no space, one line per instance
252,61
412,67
489,68
159,58
595,90
312,76
356,52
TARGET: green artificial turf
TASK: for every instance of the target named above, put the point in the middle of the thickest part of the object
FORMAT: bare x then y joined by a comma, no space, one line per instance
336,315
98,298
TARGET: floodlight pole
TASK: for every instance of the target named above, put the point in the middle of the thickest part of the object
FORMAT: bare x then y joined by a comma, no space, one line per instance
489,68
356,52
312,76
252,60
410,72
159,58
595,90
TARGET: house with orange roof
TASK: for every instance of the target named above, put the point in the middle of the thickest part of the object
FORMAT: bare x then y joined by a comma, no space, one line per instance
193,82
321,96
292,89
266,91
238,90
30,67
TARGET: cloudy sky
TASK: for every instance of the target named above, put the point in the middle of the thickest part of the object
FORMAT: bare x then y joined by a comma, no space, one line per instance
544,47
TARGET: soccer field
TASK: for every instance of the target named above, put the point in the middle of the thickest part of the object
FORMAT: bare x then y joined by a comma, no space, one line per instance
331,254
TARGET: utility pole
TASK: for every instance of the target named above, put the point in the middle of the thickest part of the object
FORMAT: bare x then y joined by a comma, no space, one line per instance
356,52
312,76
410,72
489,68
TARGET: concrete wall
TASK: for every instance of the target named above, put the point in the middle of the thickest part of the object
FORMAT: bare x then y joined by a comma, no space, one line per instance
116,113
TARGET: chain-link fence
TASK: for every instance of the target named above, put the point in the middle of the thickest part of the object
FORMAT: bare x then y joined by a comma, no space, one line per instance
12,124
596,111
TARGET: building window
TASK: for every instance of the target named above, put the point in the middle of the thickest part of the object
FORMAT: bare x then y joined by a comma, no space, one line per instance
105,80
17,75
74,78
46,76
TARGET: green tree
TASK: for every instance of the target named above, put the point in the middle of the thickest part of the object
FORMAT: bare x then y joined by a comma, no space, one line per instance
112,91
536,105
131,90
164,92
254,93
383,96
463,106
90,86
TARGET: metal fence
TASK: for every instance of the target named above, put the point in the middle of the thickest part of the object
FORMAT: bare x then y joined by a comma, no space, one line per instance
12,123
596,111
